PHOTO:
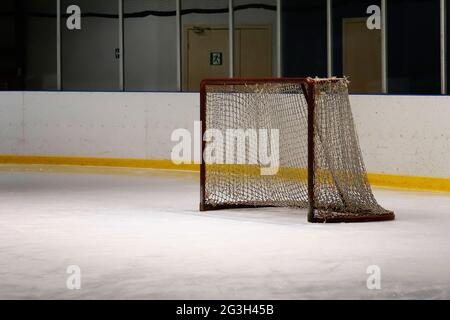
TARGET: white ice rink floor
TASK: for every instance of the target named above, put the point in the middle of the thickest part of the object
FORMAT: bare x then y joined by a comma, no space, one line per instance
137,234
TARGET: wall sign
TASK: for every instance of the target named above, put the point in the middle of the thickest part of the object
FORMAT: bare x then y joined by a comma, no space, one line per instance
216,59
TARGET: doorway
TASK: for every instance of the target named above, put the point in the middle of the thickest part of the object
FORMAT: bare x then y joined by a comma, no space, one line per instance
206,53
362,56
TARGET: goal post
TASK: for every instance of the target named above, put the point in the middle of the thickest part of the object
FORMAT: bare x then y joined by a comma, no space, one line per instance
284,142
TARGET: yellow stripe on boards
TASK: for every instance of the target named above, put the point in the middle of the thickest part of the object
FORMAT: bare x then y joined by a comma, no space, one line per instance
101,162
410,182
376,179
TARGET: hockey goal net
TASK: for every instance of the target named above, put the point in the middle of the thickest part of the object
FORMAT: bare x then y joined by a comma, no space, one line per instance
284,143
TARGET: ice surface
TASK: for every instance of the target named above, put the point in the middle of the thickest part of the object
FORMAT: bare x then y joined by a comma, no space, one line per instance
137,234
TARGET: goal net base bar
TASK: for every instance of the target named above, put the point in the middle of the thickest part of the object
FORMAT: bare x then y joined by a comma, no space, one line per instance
331,217
336,217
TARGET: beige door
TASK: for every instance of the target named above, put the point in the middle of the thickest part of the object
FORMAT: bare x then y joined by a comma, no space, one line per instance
201,43
362,56
253,53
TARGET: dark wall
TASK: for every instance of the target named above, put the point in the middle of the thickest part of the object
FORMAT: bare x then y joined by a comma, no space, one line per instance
12,44
304,38
414,46
27,44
